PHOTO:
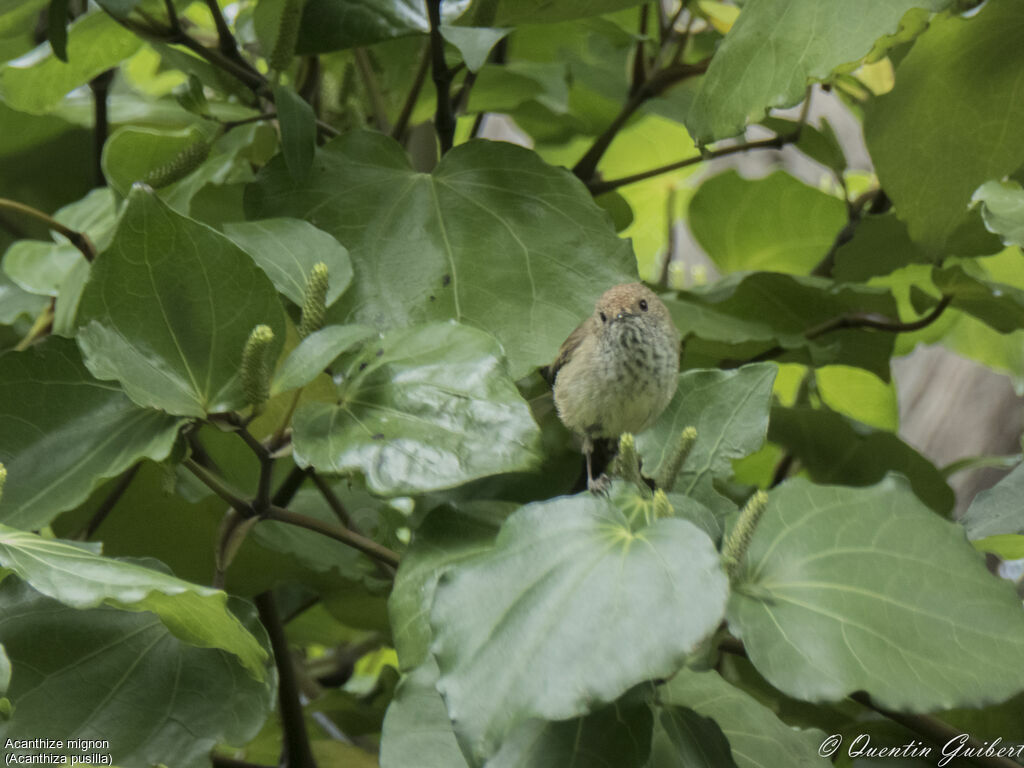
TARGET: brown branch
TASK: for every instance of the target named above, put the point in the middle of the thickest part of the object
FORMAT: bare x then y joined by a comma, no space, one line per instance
218,486
80,240
225,39
336,505
100,87
874,322
776,142
656,83
365,545
444,116
414,92
107,505
297,751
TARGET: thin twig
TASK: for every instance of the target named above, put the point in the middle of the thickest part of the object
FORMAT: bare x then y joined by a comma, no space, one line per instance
289,487
444,116
776,142
369,78
100,87
225,39
338,533
336,505
219,486
80,240
297,751
107,505
639,64
414,93
874,322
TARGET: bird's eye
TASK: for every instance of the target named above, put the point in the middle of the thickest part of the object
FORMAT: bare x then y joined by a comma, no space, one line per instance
604,317
643,305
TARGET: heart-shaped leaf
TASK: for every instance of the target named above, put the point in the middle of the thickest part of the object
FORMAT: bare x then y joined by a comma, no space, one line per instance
168,309
591,608
62,432
865,589
502,241
423,409
314,353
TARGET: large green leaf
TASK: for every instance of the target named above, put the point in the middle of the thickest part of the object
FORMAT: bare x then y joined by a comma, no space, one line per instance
417,730
316,352
776,223
1002,209
757,737
997,510
501,240
685,739
948,126
743,315
867,590
491,12
998,305
38,266
880,245
330,25
15,301
777,47
837,451
288,249
62,432
124,678
448,536
729,409
168,308
591,607
39,80
425,408
80,579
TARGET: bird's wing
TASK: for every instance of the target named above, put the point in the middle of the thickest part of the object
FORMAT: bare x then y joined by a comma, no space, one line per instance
568,347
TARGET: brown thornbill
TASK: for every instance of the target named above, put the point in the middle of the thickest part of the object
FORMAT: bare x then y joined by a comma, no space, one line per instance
618,370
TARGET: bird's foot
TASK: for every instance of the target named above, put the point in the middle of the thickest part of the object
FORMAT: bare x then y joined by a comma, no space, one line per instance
601,486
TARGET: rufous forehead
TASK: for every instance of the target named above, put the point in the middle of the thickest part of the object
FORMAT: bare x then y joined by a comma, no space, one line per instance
624,296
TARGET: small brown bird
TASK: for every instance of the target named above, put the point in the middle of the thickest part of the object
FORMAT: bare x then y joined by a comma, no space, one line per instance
618,370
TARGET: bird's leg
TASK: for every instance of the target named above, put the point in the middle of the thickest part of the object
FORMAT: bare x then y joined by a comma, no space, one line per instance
601,484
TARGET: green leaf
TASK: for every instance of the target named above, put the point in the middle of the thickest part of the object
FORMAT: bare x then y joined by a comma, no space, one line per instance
80,579
997,510
427,408
618,735
513,12
819,144
743,315
16,301
867,590
757,737
61,432
298,131
37,82
965,94
168,308
593,608
123,677
776,223
685,739
860,395
417,730
40,267
880,245
1009,546
474,43
502,241
730,412
314,353
331,25
448,536
288,249
998,305
1002,209
57,28
835,450
132,154
777,47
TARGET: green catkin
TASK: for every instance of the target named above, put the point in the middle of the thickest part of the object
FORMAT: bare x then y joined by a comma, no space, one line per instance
627,462
287,34
3,478
256,365
670,469
734,550
186,161
314,305
662,506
